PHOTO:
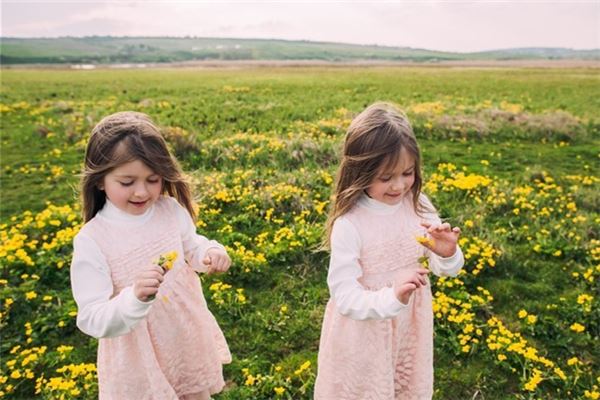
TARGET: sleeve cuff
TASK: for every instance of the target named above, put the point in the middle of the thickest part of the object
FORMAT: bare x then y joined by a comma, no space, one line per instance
213,244
133,307
452,259
395,305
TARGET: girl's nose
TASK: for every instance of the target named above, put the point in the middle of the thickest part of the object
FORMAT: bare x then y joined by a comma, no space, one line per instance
140,190
397,184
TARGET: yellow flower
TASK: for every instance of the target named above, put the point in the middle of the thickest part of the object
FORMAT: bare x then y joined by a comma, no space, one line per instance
577,327
572,361
165,261
583,298
279,390
302,368
64,349
425,241
535,380
522,314
250,379
30,295
594,395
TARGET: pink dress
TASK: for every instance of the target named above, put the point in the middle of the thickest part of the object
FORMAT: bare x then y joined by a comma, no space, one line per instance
381,359
178,349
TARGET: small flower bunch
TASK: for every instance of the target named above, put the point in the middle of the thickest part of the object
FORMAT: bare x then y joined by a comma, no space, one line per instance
165,261
425,240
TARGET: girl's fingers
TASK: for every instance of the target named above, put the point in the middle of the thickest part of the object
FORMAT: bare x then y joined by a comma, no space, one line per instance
152,275
444,227
220,264
150,290
433,228
159,270
416,280
145,293
149,283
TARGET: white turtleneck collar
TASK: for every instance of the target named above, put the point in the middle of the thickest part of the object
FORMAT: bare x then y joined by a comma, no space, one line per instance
114,214
378,206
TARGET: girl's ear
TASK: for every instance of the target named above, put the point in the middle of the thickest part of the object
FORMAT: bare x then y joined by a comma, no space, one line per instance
100,186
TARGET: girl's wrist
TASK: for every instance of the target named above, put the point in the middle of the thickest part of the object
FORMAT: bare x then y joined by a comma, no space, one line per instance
449,254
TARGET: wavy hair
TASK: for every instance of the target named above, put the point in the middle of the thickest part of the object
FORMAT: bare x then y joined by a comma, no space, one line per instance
121,138
373,141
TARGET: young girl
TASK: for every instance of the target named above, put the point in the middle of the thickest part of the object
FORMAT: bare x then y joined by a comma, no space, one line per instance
158,340
377,335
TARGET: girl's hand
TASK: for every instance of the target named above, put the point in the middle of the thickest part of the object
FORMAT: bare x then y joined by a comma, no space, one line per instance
443,238
216,260
408,283
147,282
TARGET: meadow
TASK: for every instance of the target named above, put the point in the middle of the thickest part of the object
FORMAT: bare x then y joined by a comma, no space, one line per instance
509,155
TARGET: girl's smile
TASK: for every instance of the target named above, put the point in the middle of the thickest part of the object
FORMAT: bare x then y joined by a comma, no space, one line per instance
390,186
139,203
132,187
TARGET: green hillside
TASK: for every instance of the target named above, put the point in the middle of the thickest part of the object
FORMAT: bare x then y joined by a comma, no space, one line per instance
106,49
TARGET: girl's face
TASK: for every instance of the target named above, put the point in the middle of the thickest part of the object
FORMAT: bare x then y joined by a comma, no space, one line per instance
132,187
390,186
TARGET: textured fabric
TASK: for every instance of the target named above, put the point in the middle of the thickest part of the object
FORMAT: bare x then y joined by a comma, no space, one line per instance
381,359
178,349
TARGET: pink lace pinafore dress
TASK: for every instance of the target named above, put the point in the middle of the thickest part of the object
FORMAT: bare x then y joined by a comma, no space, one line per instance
178,349
380,359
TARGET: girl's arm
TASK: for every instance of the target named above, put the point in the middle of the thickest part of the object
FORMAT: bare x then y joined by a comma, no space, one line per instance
195,246
441,266
351,298
99,314
446,266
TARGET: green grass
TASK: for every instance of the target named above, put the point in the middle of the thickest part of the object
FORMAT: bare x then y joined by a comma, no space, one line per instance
276,133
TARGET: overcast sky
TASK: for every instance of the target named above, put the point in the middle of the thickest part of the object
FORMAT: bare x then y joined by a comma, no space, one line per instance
437,25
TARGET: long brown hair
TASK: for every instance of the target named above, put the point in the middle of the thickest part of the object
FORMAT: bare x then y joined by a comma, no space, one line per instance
118,139
374,140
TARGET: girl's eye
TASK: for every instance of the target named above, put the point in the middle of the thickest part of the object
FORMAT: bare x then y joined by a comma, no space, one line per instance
409,173
126,183
385,178
153,180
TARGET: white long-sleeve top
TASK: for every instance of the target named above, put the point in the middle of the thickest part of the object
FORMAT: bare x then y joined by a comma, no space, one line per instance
99,313
351,298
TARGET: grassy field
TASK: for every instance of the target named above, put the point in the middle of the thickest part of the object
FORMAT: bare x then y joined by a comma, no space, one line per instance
510,155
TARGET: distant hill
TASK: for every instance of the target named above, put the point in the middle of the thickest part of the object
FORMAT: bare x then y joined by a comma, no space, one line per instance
109,50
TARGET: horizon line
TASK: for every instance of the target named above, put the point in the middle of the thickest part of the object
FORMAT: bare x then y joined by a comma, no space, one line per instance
290,40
